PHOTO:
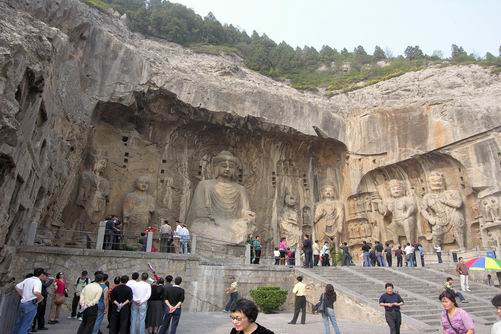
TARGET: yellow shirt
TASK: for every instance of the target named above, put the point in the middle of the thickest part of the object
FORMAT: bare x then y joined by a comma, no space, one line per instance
299,289
233,287
90,295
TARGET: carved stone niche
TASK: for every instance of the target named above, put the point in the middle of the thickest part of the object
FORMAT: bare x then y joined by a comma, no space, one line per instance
490,219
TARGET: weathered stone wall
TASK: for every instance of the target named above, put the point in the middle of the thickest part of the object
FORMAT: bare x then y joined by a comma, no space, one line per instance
204,284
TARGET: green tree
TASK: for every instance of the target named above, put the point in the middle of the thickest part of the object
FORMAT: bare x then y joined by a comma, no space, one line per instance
379,53
413,52
360,51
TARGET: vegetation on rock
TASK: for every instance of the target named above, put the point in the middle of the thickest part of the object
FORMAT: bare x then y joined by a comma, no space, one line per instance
303,68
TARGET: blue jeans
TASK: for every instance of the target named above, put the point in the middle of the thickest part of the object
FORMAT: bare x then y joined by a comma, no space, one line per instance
25,315
380,259
330,315
184,246
233,299
137,316
367,260
99,318
168,317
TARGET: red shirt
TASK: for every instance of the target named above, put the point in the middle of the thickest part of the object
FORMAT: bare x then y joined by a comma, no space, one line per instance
60,286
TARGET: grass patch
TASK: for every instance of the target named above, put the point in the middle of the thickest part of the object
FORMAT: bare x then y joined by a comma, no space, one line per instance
101,5
218,50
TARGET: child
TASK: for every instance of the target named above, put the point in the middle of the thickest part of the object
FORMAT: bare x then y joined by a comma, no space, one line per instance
276,254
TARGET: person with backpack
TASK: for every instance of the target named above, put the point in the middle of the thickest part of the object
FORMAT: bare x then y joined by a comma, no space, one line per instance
326,305
80,283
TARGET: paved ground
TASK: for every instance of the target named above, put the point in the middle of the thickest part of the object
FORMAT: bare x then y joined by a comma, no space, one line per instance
219,323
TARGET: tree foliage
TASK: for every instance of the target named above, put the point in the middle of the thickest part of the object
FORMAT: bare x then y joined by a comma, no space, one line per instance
306,67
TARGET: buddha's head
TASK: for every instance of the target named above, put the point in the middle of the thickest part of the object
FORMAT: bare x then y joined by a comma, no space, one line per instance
436,180
290,200
328,192
396,188
225,165
142,183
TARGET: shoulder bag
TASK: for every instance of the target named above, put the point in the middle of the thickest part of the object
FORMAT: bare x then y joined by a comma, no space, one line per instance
450,323
320,306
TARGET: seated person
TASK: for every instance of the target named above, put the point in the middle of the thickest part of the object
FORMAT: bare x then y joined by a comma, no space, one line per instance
448,287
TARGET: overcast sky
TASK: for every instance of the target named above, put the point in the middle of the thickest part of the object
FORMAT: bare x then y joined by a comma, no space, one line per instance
393,24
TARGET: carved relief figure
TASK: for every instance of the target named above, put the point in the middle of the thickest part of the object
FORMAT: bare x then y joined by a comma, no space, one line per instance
441,208
490,209
288,222
94,190
403,213
138,207
329,216
220,207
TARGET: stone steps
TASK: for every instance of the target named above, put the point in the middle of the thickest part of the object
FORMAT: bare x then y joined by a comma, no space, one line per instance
419,287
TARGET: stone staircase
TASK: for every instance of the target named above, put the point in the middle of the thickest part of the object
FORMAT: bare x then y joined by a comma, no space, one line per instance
419,287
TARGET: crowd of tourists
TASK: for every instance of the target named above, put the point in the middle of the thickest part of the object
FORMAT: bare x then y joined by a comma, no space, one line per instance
132,305
379,255
170,239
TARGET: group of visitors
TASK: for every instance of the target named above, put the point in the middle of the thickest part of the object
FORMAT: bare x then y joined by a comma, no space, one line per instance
174,240
382,256
131,305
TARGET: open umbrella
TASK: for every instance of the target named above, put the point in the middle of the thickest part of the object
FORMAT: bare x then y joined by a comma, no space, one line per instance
484,263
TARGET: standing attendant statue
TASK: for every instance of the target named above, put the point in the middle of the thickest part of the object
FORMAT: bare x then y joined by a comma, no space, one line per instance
442,209
94,190
138,207
329,216
288,222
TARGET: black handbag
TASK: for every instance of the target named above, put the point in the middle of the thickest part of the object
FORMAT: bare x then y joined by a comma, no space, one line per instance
320,306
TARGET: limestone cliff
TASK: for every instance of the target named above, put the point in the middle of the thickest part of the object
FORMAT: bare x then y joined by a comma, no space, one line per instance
75,82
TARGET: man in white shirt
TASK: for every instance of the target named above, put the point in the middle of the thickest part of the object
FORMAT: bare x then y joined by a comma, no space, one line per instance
141,292
177,237
438,250
165,237
496,301
409,255
185,238
30,291
299,291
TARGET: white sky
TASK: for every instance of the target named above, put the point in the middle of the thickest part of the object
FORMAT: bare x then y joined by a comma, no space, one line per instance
431,24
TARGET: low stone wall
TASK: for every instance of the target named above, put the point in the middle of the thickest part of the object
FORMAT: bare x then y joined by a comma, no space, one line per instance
204,284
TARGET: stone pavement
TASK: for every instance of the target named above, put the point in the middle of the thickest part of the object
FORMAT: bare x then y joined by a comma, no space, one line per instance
219,323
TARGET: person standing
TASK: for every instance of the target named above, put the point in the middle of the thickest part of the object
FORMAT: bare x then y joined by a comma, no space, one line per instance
156,307
257,249
30,290
454,319
165,237
398,255
39,321
409,255
366,254
332,252
391,302
121,299
347,260
174,298
185,239
463,275
299,291
80,283
57,299
324,253
316,253
177,237
307,249
250,242
88,303
438,250
282,248
232,290
379,253
102,305
329,297
388,252
421,254
276,255
141,292
496,302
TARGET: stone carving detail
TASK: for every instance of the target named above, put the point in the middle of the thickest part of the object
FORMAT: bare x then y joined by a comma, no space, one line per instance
403,213
220,207
94,190
329,216
490,220
289,221
138,207
441,208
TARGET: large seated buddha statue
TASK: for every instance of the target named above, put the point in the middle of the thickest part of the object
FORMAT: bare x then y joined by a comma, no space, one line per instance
220,207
